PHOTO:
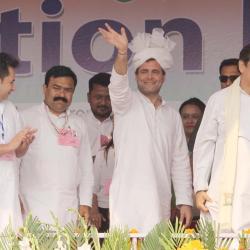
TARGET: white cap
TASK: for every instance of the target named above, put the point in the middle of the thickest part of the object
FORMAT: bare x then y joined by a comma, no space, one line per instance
155,45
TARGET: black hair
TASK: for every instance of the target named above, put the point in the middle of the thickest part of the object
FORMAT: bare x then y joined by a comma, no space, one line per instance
193,101
245,54
6,61
102,79
60,71
229,62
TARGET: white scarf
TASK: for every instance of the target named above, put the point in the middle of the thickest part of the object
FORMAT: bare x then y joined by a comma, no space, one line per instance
232,118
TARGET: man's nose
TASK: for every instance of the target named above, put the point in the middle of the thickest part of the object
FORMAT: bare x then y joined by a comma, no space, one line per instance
150,75
62,92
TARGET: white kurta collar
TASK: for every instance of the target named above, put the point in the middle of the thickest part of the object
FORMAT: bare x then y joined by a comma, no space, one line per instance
108,119
146,99
2,104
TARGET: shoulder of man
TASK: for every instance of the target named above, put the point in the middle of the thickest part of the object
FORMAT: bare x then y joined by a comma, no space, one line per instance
30,115
32,109
10,106
78,120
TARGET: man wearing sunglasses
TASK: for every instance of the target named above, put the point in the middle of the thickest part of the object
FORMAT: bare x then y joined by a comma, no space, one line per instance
229,71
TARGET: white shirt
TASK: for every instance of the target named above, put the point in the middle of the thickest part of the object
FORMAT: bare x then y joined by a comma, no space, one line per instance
150,148
97,128
52,175
9,179
103,171
208,157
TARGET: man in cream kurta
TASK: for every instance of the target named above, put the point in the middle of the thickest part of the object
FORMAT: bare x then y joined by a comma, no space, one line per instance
211,174
56,173
13,143
150,146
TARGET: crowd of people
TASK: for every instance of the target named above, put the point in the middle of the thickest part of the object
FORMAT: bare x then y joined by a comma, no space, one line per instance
121,162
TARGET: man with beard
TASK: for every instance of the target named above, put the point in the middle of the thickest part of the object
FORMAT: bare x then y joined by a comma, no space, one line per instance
57,172
100,127
98,121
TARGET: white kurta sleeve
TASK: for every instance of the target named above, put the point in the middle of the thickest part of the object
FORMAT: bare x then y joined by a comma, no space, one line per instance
181,170
18,122
97,171
120,93
205,143
86,166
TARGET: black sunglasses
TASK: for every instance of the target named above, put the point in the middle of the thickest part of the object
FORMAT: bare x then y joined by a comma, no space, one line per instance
226,78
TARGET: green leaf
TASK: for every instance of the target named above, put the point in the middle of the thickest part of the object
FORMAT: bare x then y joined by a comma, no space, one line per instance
117,239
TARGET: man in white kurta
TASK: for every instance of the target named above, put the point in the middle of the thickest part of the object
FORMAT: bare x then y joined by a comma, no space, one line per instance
98,131
150,146
9,179
103,171
209,154
56,173
13,144
98,118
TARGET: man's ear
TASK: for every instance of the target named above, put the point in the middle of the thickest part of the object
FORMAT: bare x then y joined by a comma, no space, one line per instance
88,95
44,88
242,66
164,78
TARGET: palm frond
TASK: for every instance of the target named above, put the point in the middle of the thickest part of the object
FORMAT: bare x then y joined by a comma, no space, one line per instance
117,239
207,233
8,239
165,236
38,234
95,238
175,236
152,240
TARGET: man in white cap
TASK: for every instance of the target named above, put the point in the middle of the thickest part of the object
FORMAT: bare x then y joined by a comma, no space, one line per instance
150,146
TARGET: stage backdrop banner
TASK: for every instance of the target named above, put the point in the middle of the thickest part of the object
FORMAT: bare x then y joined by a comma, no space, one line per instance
51,32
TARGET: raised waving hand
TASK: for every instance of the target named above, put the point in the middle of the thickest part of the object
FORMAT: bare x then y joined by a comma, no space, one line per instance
119,40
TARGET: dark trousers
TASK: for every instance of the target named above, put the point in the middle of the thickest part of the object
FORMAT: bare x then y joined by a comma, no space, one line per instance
105,224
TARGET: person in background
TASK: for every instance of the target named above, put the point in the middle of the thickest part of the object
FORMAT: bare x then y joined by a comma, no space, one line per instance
229,71
100,126
191,112
103,171
98,121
